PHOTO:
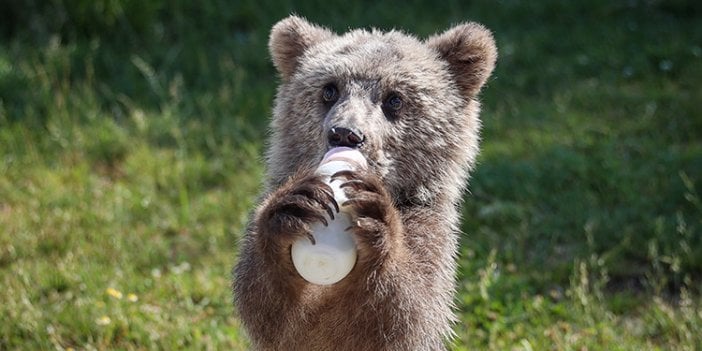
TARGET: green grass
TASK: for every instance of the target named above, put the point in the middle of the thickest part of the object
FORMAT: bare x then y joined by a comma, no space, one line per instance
131,136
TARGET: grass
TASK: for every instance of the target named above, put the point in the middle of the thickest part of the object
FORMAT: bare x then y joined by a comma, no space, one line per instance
130,143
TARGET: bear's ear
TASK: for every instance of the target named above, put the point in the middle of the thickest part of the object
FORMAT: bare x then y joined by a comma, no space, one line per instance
289,39
470,52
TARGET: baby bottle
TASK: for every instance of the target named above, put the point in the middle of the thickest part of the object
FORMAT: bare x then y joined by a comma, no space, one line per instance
333,254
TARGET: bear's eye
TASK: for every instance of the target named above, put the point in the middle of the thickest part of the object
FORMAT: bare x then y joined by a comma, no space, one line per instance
392,103
330,93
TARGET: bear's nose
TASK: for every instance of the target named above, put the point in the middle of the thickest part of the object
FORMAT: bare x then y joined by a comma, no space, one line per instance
339,136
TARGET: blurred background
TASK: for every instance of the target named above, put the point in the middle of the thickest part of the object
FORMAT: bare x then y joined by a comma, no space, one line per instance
131,135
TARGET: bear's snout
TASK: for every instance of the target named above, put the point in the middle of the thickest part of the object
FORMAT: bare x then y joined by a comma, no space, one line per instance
340,136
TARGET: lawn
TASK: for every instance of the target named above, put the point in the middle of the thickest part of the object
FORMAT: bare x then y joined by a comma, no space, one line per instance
131,135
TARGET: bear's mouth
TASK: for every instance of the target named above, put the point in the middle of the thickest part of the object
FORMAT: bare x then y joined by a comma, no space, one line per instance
346,154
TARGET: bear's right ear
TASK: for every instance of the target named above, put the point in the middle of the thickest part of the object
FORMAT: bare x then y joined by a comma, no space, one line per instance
289,39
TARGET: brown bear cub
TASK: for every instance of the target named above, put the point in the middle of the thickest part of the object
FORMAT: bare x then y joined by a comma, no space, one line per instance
410,107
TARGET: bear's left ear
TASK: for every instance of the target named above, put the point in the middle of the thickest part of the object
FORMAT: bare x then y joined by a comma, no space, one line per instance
289,39
471,53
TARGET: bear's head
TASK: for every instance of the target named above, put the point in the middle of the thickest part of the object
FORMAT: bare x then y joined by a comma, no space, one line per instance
408,105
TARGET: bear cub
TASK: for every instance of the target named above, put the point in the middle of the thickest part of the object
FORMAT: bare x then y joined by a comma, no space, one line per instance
410,107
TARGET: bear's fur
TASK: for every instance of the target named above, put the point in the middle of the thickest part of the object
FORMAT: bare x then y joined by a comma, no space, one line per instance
405,206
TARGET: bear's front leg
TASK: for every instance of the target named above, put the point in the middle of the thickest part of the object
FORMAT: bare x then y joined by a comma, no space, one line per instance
267,287
396,302
287,214
376,223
